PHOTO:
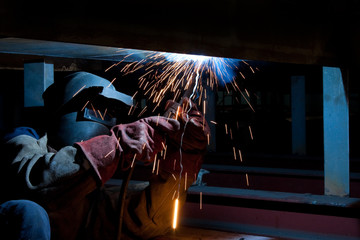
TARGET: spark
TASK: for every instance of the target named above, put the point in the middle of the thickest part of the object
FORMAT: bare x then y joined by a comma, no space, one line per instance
177,113
185,180
165,149
85,106
242,75
173,197
130,109
251,135
157,167
133,161
157,120
92,106
110,67
247,179
133,96
204,106
154,164
176,208
252,69
100,115
105,112
174,76
203,126
142,112
108,153
111,82
247,93
118,142
169,74
79,90
134,108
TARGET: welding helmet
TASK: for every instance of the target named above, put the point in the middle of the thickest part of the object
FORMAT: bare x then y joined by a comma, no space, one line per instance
82,106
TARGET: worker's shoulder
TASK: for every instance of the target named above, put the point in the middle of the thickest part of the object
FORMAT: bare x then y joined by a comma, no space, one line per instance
20,131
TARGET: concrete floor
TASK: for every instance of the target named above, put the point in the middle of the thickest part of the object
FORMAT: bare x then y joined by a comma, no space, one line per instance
190,233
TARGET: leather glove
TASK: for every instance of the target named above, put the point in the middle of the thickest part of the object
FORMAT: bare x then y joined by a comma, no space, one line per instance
197,129
194,141
143,138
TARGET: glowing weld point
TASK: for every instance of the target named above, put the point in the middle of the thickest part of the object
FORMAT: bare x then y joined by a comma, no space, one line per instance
178,57
220,68
176,208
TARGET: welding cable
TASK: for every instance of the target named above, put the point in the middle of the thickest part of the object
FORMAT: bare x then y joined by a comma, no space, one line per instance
122,197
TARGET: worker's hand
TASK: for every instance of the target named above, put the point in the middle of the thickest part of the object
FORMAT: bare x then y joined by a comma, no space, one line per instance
197,129
186,155
145,137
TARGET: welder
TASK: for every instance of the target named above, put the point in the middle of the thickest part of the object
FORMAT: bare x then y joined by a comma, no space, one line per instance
89,137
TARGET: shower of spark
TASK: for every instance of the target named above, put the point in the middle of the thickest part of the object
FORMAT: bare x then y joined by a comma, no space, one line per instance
168,76
171,76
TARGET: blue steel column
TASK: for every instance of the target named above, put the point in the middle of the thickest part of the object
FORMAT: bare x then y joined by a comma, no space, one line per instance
37,77
298,115
336,133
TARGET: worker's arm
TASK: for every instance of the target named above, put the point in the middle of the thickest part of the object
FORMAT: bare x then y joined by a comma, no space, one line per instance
32,171
140,140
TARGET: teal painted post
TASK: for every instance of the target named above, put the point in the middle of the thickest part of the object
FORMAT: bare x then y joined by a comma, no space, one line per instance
37,77
336,133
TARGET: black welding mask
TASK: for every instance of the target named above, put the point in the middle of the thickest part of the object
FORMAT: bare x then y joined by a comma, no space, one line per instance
82,106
